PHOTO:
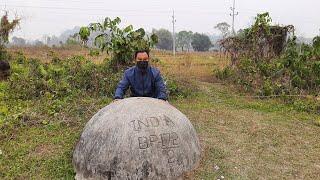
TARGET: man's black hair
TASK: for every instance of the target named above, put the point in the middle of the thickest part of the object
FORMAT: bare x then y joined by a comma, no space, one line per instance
141,51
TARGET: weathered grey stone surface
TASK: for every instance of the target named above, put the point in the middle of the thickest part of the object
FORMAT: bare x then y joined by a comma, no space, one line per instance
136,138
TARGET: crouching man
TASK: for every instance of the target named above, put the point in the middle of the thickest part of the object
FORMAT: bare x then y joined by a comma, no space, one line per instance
142,79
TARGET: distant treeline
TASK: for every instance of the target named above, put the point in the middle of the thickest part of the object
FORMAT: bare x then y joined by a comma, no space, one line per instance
185,40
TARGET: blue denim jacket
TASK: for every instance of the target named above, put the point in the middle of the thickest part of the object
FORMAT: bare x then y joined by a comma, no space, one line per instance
147,84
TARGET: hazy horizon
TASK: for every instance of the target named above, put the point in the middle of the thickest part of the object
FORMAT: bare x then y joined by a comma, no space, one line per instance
52,17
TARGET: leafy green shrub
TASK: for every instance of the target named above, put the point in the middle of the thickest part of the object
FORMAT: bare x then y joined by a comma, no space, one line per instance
225,73
20,58
94,52
298,68
61,78
178,89
4,110
121,43
155,60
267,88
295,72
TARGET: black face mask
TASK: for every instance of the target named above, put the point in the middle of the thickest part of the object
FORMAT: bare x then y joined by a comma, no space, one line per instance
142,65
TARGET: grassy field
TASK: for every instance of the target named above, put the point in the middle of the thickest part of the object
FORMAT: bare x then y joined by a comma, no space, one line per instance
241,137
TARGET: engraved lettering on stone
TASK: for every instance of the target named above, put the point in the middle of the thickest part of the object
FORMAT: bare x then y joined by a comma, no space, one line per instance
154,121
143,143
151,122
174,137
142,123
180,159
153,139
171,158
163,141
168,121
133,125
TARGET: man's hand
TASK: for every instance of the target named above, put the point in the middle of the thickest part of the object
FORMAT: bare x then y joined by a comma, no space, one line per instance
165,101
115,100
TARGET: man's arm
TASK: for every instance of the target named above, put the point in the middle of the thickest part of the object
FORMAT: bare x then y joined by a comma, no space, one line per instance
122,87
160,88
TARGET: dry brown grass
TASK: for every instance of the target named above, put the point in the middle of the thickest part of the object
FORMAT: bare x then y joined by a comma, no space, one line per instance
46,54
191,65
260,142
185,65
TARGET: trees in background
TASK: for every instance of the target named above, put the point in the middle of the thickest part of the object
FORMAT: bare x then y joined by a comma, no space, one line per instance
38,43
165,40
184,39
72,41
223,27
17,41
6,27
201,42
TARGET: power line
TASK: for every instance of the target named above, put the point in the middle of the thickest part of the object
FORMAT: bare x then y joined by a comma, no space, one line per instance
173,34
233,15
113,10
83,9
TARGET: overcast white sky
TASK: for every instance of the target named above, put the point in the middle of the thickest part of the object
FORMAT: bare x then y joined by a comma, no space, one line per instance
52,17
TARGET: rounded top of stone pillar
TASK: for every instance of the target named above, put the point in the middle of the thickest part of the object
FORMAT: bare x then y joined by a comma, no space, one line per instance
136,138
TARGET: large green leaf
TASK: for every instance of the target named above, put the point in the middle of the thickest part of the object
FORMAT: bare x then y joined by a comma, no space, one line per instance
84,33
120,42
128,29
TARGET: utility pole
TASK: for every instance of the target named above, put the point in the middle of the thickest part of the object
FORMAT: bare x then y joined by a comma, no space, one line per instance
233,14
173,34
